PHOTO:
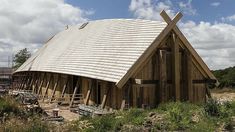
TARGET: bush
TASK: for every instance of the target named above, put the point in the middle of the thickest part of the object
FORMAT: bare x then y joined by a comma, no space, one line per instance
33,124
179,115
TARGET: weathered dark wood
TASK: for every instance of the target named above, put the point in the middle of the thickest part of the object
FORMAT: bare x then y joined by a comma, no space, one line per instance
48,83
189,77
89,92
41,83
74,93
175,66
162,75
140,81
105,98
54,88
35,85
204,81
65,86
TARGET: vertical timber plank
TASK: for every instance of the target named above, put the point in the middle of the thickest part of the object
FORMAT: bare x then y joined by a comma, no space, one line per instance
189,77
175,66
162,75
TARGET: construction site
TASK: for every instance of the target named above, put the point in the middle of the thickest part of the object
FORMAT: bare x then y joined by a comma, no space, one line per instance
78,72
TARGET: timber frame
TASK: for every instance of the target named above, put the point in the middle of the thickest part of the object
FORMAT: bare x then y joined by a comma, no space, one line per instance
168,70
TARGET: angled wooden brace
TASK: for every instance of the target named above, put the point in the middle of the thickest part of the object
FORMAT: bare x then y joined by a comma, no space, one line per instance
47,86
150,50
54,88
203,66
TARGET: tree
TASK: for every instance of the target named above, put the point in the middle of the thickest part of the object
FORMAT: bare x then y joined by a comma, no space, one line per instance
20,57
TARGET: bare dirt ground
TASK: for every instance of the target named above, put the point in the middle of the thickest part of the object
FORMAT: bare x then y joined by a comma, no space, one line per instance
223,94
63,111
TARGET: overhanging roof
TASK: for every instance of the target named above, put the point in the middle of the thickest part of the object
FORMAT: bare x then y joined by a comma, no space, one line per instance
103,49
110,50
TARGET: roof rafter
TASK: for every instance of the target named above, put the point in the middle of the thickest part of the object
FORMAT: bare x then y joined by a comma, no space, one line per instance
150,49
202,64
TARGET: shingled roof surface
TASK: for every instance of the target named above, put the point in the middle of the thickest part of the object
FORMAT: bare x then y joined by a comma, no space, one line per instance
102,49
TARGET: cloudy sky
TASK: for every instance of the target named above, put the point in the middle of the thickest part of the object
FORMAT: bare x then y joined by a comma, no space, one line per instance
208,24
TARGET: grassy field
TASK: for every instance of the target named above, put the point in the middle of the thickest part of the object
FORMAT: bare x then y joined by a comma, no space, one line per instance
172,116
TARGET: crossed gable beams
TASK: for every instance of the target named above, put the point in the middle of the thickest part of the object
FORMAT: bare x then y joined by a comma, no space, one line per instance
170,27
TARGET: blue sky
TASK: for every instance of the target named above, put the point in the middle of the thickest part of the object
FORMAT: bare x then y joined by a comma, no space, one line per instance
106,9
209,25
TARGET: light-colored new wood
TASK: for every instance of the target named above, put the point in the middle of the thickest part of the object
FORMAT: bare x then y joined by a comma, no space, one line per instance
189,46
149,50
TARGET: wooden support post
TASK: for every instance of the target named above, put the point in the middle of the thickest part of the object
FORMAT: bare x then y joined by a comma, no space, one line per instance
208,93
41,83
123,104
27,81
189,77
54,88
105,98
163,75
64,87
74,93
47,86
23,82
35,84
175,65
89,92
31,82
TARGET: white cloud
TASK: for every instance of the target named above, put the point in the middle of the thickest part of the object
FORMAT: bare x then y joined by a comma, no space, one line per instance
228,18
187,8
215,42
29,23
215,4
212,41
148,9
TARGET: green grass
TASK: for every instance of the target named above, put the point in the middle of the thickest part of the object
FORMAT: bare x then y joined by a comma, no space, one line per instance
172,116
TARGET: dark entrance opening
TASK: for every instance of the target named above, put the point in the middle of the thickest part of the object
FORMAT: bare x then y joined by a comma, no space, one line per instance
98,97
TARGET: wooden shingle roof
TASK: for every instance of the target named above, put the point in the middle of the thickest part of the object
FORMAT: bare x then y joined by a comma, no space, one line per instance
109,50
103,49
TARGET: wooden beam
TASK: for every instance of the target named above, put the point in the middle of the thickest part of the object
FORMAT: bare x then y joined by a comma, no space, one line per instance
189,76
74,93
54,88
31,83
65,86
141,81
35,85
89,92
105,98
41,83
175,66
162,75
149,50
123,104
202,64
47,86
205,81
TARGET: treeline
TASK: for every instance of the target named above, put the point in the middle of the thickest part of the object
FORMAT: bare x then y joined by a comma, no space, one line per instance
226,77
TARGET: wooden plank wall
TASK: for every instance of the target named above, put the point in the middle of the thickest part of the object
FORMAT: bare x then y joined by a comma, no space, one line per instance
153,95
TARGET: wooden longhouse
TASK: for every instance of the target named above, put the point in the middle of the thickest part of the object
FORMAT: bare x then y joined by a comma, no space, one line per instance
118,63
